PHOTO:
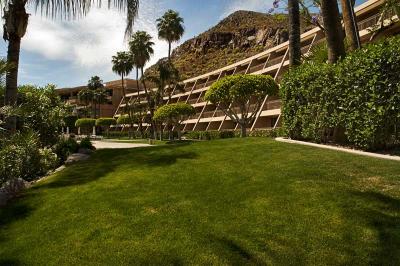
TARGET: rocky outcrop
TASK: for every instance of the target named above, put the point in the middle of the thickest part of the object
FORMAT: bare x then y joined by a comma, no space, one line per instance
240,35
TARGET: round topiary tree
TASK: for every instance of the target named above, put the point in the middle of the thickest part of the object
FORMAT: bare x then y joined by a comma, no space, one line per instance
86,124
174,114
240,97
106,122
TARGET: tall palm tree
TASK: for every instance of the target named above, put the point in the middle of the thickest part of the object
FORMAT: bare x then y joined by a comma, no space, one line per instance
100,97
95,84
16,22
333,30
294,33
350,24
170,28
122,65
85,97
141,48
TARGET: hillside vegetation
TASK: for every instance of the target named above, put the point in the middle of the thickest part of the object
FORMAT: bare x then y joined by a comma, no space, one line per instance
238,36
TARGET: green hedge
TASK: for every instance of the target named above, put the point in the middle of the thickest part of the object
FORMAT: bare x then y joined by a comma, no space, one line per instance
356,101
209,135
106,121
85,122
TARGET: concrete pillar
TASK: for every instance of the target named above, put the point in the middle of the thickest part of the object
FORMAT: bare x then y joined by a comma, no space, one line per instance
94,131
67,130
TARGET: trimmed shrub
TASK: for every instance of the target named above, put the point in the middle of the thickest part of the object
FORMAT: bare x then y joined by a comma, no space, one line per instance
356,100
105,122
86,124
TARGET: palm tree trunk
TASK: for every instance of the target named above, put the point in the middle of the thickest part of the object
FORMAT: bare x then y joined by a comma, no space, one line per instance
333,30
294,33
11,93
153,126
350,24
169,51
138,93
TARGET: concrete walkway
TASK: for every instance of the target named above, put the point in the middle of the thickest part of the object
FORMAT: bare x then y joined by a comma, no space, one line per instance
358,152
117,145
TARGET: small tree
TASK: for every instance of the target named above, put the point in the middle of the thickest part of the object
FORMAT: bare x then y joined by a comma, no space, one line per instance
106,122
86,124
174,114
240,96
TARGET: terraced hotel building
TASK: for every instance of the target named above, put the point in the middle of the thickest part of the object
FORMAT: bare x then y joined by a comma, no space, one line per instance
272,62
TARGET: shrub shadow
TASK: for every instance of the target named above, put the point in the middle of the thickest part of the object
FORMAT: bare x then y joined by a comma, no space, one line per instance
382,213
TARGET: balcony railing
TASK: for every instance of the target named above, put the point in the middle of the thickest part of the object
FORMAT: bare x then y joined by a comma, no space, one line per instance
275,104
192,101
256,68
207,114
274,61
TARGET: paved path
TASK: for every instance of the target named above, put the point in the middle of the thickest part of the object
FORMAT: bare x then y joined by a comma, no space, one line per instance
370,154
117,145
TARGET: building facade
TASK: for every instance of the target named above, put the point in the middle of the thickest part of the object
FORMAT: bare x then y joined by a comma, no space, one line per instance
113,89
272,62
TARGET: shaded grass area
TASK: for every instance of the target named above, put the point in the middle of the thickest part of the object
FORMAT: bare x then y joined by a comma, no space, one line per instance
226,202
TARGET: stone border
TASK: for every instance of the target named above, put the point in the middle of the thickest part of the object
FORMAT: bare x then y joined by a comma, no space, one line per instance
323,146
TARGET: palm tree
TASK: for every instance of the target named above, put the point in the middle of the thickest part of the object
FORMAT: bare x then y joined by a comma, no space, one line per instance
16,22
100,97
141,48
333,30
170,28
86,96
122,65
350,24
95,84
294,33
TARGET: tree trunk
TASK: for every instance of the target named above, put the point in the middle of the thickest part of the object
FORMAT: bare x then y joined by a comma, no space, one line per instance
153,126
294,33
350,24
169,51
243,133
138,93
333,30
11,93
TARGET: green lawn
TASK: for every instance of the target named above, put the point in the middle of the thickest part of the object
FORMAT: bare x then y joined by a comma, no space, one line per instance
225,202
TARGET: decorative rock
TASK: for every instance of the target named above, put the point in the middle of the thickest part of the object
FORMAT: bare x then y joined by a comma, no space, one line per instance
85,151
76,157
10,189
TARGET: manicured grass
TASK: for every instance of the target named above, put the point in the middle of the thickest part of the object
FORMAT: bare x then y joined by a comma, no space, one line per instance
232,202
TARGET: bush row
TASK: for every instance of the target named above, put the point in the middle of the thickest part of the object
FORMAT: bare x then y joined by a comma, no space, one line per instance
356,101
208,135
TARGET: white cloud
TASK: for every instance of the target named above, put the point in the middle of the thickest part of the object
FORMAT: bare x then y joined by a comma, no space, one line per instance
91,41
253,5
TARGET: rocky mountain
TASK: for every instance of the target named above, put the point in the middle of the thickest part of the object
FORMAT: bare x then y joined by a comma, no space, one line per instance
238,36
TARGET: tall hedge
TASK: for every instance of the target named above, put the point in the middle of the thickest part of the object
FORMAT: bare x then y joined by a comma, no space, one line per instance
359,96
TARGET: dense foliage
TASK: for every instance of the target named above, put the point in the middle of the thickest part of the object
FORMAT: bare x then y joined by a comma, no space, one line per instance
240,97
174,113
356,100
41,110
21,156
65,147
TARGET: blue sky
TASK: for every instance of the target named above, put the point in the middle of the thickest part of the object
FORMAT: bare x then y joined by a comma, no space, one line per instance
68,53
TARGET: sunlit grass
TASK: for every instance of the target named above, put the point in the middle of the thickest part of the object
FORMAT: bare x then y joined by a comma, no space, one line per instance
251,201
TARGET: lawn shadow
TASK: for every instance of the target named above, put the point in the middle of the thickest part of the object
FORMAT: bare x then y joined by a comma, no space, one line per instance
238,254
382,212
9,262
169,158
99,165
